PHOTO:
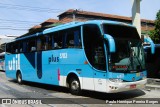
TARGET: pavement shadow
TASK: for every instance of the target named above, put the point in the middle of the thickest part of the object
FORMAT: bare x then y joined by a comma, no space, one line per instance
91,94
114,96
47,87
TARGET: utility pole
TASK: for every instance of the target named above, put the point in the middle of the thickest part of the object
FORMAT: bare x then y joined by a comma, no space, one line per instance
136,20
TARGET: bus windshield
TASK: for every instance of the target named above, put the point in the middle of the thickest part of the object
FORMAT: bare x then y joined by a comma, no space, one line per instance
129,55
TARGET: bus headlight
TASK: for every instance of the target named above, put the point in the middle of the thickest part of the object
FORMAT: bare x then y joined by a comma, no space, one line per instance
116,80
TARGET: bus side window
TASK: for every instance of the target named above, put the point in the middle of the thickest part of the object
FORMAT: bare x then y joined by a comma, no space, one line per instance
45,47
73,39
24,48
31,45
77,39
20,46
9,48
39,44
69,39
50,38
58,41
15,47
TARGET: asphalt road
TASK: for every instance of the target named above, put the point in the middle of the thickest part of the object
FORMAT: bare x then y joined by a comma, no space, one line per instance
53,96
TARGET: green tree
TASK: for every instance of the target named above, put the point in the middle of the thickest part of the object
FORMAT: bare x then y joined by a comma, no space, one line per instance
155,34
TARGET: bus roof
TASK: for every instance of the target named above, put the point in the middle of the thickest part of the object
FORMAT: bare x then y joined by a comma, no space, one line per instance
73,24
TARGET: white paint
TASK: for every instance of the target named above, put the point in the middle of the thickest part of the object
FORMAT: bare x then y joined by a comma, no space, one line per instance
62,81
100,84
103,85
124,86
87,83
63,55
14,63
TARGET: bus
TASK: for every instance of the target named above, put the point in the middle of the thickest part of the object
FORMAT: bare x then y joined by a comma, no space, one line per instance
152,61
2,64
98,55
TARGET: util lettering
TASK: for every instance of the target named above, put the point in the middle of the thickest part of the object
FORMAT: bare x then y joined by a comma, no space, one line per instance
14,63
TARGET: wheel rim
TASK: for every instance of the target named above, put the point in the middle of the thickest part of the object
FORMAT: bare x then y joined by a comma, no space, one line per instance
75,85
19,78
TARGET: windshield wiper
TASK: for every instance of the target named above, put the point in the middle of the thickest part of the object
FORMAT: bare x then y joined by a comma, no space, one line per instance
139,63
131,63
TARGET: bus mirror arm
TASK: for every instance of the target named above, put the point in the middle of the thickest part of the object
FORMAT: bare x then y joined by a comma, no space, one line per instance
111,43
148,39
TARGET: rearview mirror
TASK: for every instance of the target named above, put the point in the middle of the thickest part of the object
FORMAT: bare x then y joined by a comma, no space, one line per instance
148,39
111,43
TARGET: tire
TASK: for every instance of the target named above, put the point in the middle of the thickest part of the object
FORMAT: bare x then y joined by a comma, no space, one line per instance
19,78
74,86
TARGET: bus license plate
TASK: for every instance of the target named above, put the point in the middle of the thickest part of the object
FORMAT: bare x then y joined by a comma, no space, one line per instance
132,86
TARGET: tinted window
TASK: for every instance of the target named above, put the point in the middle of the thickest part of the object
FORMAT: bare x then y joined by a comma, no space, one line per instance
121,31
94,47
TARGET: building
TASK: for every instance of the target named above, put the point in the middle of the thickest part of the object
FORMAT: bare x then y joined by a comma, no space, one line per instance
77,15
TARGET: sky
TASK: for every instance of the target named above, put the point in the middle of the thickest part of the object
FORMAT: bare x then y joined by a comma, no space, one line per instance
17,16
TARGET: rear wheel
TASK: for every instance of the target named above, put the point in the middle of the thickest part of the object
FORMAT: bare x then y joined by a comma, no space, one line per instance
19,78
74,86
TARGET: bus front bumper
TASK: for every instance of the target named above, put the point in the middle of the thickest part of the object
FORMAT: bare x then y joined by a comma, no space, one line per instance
113,87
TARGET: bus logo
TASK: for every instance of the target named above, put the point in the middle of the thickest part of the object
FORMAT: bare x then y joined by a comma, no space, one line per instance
14,63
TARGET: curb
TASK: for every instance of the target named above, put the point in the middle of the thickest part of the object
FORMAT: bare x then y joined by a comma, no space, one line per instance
152,84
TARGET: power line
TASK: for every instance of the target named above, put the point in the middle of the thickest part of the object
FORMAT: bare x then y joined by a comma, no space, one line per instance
20,21
15,26
5,28
29,6
37,9
18,24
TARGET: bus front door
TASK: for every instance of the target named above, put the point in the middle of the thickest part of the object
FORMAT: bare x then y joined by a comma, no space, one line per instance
100,81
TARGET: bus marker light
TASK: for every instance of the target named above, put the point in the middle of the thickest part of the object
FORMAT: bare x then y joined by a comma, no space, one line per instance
58,74
86,62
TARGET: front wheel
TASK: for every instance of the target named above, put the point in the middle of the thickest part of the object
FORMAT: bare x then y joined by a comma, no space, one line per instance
19,78
74,86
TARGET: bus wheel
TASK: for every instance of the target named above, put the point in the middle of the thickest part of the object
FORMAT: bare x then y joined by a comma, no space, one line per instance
19,78
74,86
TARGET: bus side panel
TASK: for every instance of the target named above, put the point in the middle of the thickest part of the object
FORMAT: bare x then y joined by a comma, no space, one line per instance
27,66
57,64
10,64
23,62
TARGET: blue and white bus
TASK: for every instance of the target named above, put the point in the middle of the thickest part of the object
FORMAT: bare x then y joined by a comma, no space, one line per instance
152,61
2,64
99,55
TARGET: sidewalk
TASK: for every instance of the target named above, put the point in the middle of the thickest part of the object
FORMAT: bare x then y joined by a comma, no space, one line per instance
153,84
